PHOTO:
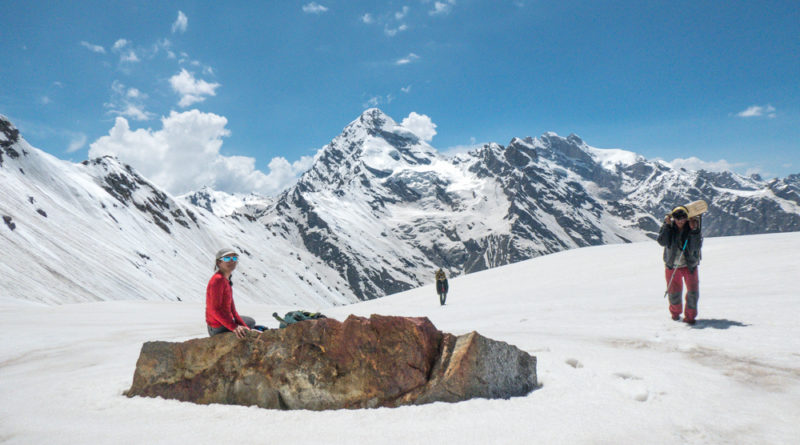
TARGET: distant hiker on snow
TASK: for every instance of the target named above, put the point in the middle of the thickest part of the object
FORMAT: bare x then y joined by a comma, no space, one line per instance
221,315
441,286
682,241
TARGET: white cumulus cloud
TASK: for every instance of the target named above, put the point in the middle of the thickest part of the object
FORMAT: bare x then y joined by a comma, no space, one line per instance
314,8
758,111
190,89
184,155
367,18
421,125
181,23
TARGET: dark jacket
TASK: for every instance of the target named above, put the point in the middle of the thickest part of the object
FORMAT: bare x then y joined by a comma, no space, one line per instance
673,239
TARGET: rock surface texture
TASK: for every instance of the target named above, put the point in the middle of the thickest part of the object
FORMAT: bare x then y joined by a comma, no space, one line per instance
381,361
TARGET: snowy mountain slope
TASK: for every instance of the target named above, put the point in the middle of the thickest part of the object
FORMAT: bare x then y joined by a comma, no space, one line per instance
225,204
613,367
99,231
376,214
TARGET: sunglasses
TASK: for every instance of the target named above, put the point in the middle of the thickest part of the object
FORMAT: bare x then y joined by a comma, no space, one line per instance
228,259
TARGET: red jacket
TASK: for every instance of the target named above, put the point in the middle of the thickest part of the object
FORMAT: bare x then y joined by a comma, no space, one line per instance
220,310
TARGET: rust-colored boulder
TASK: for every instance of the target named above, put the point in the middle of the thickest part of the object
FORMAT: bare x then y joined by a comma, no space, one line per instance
327,364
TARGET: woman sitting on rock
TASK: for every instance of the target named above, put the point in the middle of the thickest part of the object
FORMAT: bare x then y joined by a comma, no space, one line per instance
221,315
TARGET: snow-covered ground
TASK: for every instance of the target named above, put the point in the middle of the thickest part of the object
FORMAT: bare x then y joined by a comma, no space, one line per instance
613,367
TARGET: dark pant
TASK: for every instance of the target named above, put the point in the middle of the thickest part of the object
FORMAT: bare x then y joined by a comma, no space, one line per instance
249,321
675,291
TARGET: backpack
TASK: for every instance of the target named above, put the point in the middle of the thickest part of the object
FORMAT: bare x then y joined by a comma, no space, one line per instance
297,316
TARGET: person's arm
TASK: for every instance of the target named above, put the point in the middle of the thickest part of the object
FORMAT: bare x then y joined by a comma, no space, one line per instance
221,302
665,233
694,244
237,318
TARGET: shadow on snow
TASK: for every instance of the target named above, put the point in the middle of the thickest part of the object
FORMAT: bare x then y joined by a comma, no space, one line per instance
717,323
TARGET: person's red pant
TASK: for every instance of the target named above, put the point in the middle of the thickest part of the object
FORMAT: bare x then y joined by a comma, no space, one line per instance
675,291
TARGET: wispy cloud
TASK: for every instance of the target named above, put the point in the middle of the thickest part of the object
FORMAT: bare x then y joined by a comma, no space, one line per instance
119,44
45,100
411,57
442,8
392,22
181,23
192,90
391,32
128,102
694,163
406,89
399,15
77,142
465,148
758,111
127,55
376,101
163,45
314,8
93,48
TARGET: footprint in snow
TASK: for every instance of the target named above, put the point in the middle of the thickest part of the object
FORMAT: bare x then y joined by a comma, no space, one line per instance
574,363
631,386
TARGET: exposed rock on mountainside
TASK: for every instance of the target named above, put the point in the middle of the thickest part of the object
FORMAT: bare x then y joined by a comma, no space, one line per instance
325,364
385,209
378,212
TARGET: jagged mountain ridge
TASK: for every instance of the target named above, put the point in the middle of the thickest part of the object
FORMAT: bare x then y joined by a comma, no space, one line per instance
377,212
384,208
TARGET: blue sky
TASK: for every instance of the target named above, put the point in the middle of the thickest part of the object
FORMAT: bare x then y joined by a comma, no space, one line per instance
241,95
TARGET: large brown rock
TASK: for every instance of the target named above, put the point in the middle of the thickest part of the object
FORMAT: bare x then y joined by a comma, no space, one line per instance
327,364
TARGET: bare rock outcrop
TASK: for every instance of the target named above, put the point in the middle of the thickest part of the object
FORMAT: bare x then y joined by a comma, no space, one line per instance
326,364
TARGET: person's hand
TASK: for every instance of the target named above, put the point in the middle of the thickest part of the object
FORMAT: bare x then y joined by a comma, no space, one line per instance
694,223
241,331
668,219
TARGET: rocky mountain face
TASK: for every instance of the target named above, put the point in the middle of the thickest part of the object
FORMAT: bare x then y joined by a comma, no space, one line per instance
376,214
384,209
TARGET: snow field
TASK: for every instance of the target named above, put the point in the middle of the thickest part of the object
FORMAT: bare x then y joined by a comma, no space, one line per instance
613,367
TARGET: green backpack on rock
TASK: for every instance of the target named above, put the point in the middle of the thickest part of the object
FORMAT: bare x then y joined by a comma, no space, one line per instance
296,316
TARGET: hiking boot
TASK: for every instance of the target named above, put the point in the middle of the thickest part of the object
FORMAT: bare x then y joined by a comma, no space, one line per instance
689,321
676,317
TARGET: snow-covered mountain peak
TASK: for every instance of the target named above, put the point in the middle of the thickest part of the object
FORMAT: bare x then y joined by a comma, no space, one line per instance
376,119
377,213
226,204
373,145
610,158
